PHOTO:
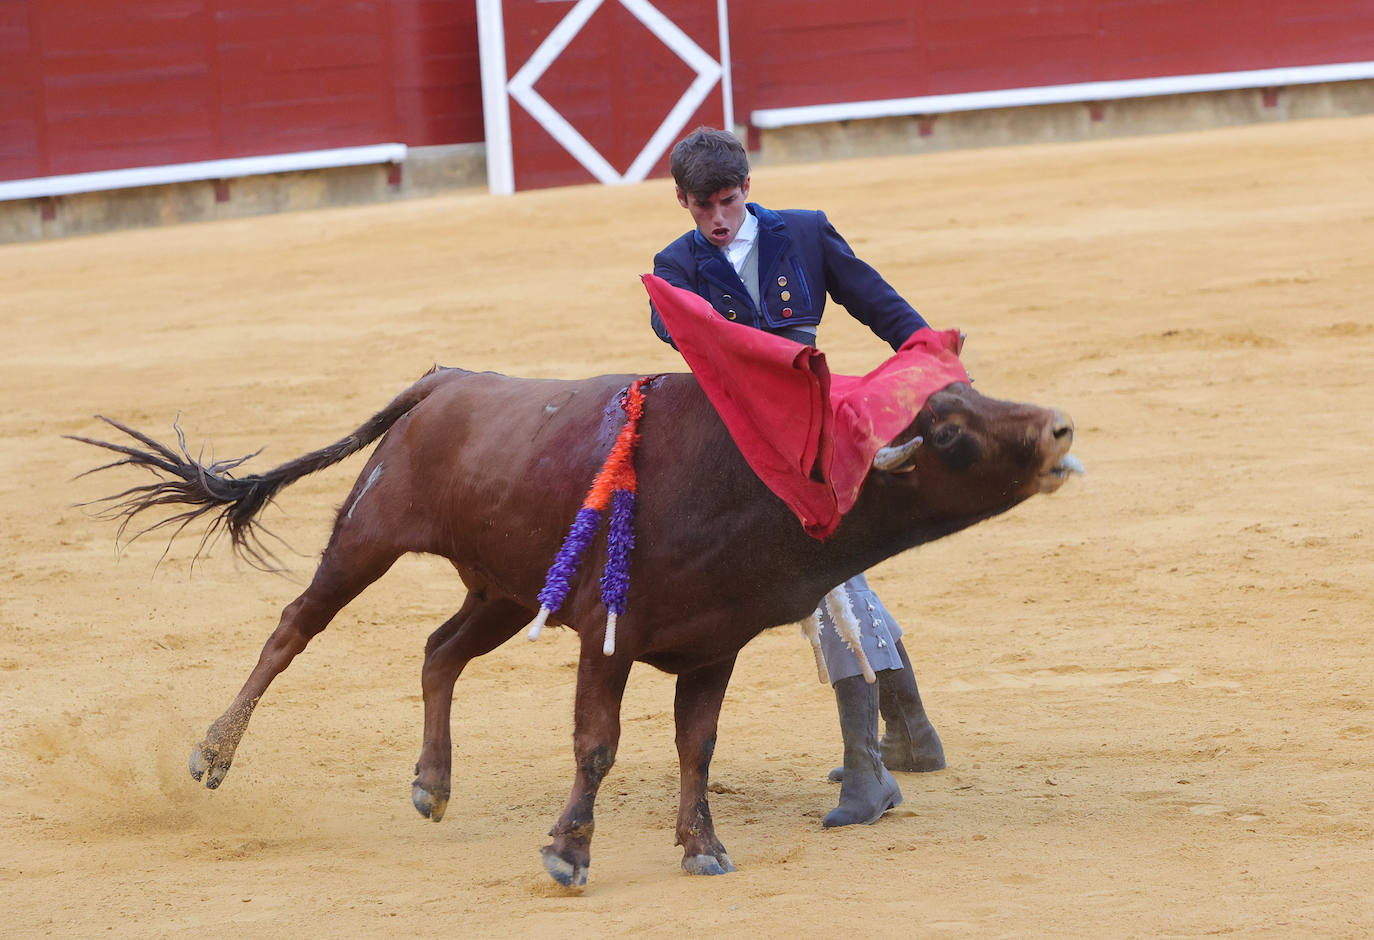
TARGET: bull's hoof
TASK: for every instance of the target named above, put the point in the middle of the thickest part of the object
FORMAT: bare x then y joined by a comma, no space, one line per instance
563,871
208,765
430,804
707,864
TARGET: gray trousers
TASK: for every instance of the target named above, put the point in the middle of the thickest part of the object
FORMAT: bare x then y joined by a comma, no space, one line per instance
877,629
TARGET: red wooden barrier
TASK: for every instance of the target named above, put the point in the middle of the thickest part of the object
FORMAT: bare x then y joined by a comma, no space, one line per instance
90,85
100,84
790,54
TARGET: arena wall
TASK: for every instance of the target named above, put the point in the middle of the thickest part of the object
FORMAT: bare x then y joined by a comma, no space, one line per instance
89,85
96,85
790,54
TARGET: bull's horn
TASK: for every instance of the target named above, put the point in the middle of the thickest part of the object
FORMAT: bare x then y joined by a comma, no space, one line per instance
895,455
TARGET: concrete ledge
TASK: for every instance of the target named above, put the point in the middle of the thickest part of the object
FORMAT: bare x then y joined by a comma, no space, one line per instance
426,170
1059,122
430,170
226,169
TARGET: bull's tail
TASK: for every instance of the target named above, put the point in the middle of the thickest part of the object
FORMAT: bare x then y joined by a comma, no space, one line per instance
211,490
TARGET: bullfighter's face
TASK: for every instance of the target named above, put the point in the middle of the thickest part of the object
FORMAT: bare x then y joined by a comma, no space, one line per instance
719,216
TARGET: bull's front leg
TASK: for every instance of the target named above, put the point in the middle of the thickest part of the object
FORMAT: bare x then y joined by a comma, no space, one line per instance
596,735
696,709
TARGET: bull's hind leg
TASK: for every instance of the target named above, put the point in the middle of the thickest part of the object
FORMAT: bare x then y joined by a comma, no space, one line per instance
696,709
349,565
596,735
479,627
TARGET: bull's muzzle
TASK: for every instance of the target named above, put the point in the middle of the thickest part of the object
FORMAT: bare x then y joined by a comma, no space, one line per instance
1060,464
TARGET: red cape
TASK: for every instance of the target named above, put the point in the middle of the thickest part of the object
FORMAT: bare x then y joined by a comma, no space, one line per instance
809,436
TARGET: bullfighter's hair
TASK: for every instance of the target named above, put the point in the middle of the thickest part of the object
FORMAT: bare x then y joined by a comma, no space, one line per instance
707,161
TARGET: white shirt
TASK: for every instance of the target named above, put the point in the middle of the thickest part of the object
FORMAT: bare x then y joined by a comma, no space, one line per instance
738,249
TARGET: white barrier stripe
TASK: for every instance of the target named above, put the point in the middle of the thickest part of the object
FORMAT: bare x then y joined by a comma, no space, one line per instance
708,71
568,137
521,88
554,44
491,46
727,89
203,170
1061,94
672,125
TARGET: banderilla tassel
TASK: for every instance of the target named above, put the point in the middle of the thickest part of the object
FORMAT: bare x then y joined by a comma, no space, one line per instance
615,486
564,566
620,540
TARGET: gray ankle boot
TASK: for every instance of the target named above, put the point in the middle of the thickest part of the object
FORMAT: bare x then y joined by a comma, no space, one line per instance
910,743
868,789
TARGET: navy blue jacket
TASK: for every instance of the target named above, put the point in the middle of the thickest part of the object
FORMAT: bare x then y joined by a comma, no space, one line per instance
801,259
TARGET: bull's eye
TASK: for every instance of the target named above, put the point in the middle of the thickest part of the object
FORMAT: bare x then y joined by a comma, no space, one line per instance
944,435
957,448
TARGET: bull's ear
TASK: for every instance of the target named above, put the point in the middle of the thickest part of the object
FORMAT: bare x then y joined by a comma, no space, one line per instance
898,458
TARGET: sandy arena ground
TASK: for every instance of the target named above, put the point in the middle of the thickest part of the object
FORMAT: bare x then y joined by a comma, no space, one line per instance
1154,687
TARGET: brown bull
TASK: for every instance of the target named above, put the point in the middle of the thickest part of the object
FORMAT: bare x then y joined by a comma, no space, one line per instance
488,471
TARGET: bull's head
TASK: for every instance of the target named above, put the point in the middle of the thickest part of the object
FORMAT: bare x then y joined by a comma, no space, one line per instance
975,453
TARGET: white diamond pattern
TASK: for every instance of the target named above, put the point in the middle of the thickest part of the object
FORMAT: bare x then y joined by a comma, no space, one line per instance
521,88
